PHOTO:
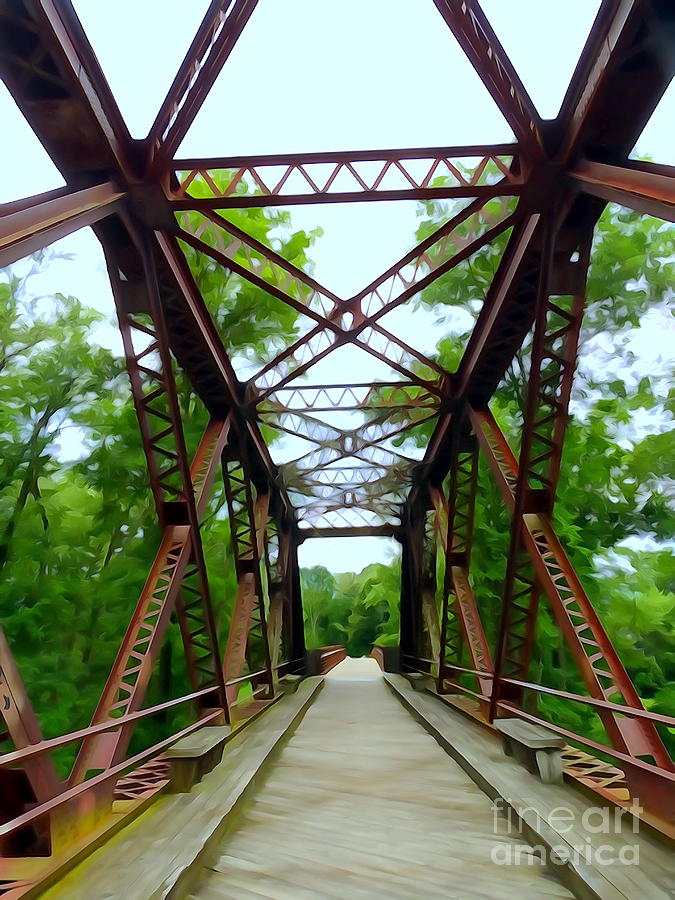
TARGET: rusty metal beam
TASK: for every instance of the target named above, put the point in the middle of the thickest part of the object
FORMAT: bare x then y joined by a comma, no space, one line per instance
315,398
217,35
305,534
473,32
648,189
511,287
170,572
599,665
61,89
460,618
27,226
248,639
290,179
624,70
22,727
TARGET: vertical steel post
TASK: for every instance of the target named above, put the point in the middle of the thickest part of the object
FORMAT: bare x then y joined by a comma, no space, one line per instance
179,570
559,311
247,641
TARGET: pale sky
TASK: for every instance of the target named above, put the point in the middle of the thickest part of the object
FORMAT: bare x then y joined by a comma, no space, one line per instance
310,75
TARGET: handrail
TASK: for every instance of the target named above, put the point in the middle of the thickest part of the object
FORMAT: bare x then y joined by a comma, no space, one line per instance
60,799
610,751
15,756
631,711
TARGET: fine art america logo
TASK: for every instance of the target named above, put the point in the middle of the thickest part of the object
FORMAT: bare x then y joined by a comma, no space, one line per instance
580,836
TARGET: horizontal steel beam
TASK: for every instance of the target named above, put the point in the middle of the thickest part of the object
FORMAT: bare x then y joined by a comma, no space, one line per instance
289,179
356,531
646,189
390,395
346,156
27,226
253,201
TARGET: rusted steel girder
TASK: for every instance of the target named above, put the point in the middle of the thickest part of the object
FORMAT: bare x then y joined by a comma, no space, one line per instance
27,226
285,626
422,524
23,730
171,572
570,168
468,23
316,398
180,562
290,179
560,305
428,588
260,265
247,642
60,88
178,579
218,33
460,618
350,531
599,664
276,566
624,69
647,188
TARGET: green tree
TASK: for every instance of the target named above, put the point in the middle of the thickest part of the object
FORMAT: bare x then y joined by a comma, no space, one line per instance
616,477
78,535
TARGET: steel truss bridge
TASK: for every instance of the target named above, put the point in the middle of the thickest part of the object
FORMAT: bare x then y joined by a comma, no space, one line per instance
144,205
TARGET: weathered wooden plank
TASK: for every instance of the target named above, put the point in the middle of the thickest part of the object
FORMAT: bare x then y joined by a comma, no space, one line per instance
150,859
362,802
544,807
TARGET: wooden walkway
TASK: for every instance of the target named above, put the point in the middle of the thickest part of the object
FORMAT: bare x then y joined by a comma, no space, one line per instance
361,803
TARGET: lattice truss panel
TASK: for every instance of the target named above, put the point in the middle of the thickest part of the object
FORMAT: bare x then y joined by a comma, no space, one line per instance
350,477
244,182
368,491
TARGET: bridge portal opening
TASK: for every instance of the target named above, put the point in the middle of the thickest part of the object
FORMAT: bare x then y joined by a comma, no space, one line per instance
351,592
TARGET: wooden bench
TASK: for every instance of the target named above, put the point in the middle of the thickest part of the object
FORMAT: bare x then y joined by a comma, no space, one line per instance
420,681
537,748
289,683
195,755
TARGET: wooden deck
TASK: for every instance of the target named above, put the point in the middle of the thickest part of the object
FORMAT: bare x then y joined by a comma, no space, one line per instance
362,802
357,786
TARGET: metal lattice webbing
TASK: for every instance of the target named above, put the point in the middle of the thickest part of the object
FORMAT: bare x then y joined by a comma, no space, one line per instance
247,642
589,643
173,581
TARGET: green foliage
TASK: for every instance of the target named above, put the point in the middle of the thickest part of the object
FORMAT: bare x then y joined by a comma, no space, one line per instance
357,611
615,488
78,535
